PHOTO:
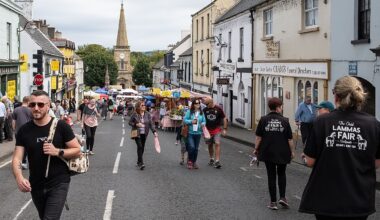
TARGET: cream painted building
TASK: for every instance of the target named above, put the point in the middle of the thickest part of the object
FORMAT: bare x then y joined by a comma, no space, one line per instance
291,54
202,26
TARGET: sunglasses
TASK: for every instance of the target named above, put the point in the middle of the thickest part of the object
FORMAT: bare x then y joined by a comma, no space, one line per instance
39,104
142,105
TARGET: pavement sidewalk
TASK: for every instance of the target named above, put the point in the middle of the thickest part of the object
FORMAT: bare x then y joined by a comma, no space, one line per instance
6,149
247,137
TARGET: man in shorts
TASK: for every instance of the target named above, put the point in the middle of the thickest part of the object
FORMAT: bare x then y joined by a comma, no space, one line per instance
215,118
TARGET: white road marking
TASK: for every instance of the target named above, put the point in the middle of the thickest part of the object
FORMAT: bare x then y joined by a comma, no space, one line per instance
258,177
297,197
22,209
5,164
122,142
123,131
240,151
117,161
123,125
108,210
243,169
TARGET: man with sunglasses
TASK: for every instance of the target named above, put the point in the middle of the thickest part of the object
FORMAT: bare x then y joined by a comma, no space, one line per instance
215,118
48,189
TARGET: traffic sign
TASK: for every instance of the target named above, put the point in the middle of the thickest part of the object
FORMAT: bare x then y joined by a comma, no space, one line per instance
38,80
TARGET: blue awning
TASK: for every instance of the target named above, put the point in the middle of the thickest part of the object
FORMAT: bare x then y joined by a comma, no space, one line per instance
149,97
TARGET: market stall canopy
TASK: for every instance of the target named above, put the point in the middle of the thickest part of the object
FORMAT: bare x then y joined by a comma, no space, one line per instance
156,91
199,95
149,97
101,91
166,93
103,96
143,89
92,94
128,91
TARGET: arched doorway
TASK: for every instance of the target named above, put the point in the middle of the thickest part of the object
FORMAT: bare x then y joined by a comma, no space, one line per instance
370,106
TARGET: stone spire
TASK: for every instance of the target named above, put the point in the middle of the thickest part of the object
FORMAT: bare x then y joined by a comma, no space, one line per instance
107,78
122,39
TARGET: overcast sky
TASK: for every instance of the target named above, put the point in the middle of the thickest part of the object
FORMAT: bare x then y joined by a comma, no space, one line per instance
151,24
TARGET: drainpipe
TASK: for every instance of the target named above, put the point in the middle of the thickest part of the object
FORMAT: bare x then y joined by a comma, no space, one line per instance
253,98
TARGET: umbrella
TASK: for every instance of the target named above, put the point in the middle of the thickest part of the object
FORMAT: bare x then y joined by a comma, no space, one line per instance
92,94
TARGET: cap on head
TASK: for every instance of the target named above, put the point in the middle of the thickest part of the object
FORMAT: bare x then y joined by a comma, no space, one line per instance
326,104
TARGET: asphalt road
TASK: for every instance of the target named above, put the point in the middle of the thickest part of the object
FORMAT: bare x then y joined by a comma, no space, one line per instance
115,189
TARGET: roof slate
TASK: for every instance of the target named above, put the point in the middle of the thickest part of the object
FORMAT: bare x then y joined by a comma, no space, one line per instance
242,6
188,52
46,45
159,64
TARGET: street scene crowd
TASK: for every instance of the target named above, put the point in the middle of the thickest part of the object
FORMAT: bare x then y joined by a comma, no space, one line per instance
340,142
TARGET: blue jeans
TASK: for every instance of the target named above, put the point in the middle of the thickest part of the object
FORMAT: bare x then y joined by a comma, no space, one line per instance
193,145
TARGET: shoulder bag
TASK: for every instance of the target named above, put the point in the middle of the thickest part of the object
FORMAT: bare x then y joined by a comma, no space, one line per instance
134,131
76,165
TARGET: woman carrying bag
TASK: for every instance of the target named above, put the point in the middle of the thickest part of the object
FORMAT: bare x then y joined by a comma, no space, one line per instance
195,119
141,121
90,123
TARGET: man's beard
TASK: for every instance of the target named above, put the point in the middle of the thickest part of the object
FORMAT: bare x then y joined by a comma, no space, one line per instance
40,116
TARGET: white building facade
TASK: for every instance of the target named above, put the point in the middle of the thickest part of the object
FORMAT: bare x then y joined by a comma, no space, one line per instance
232,64
34,42
79,71
355,30
291,54
9,48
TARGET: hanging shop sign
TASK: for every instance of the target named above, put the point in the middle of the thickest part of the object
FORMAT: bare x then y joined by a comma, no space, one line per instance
223,81
317,70
24,61
227,67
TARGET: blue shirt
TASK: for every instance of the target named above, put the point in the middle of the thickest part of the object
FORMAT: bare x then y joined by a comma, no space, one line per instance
189,121
304,114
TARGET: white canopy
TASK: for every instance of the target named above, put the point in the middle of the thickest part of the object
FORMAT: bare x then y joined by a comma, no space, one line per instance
129,91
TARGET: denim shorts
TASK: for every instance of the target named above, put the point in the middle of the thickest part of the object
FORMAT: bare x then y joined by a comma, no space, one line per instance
215,139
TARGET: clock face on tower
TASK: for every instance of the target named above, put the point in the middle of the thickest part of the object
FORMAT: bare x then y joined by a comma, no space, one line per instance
121,56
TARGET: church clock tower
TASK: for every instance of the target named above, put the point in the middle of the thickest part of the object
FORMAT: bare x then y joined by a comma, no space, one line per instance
122,54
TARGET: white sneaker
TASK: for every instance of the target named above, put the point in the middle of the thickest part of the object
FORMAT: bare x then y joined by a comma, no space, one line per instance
24,166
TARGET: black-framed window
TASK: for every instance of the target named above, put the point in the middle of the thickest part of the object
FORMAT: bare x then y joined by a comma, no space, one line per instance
229,45
9,40
364,17
241,52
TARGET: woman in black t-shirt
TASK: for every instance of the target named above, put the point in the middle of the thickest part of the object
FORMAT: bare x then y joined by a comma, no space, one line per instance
274,146
344,151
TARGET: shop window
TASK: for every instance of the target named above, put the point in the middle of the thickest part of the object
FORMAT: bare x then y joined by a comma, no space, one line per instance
315,93
300,92
308,89
275,87
263,103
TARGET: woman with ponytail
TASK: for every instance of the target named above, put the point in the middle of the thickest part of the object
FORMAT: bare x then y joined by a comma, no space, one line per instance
344,151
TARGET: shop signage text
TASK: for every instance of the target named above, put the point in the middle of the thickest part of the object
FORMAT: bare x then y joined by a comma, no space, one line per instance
306,70
352,68
227,67
377,68
273,49
24,61
7,70
222,81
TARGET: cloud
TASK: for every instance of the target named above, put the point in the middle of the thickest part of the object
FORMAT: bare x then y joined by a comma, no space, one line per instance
151,24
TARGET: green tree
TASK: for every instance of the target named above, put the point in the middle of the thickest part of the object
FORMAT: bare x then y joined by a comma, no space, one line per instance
96,58
142,73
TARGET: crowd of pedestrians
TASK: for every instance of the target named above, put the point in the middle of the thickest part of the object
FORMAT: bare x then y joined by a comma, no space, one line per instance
341,145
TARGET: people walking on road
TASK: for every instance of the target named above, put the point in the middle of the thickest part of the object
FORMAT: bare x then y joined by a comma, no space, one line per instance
344,150
8,130
16,102
59,110
89,124
215,118
304,117
104,108
3,115
274,145
195,120
141,121
111,107
325,107
72,105
21,115
48,185
81,108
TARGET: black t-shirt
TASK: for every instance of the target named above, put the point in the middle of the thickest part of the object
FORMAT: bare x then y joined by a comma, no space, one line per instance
345,145
275,131
214,117
31,137
81,108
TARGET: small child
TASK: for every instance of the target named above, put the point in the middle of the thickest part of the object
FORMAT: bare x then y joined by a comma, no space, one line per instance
183,142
